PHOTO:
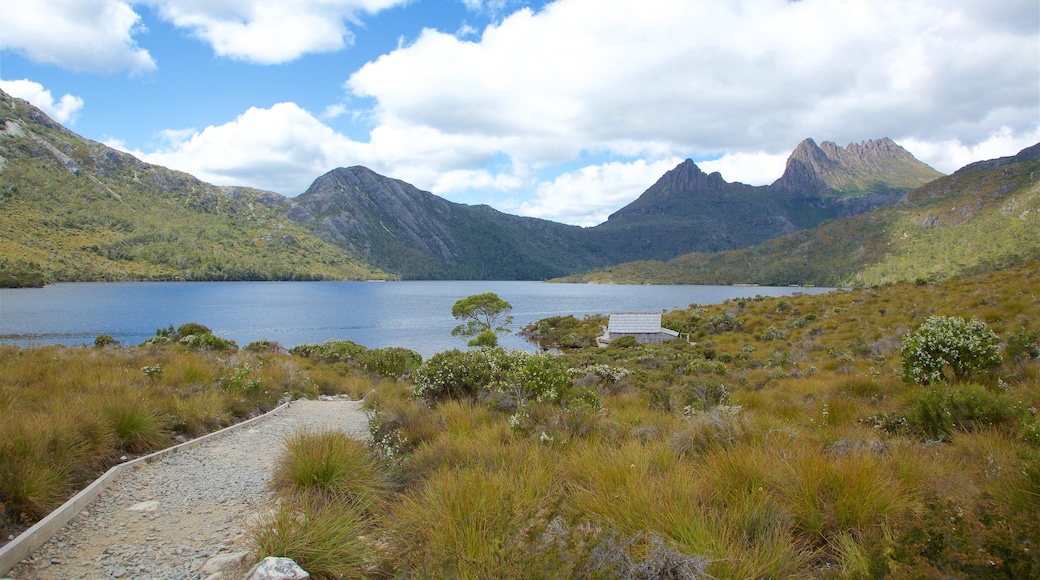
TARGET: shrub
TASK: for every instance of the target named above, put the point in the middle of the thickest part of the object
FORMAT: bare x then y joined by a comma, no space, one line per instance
393,362
191,328
541,376
263,345
773,333
330,351
453,374
103,340
1023,344
948,343
207,341
935,412
627,341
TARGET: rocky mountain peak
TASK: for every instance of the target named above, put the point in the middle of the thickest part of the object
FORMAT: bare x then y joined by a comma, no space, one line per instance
857,167
687,176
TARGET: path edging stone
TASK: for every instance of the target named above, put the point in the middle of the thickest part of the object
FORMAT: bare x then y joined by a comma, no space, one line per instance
30,540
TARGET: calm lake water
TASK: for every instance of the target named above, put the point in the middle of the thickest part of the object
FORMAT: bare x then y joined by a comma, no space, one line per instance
415,315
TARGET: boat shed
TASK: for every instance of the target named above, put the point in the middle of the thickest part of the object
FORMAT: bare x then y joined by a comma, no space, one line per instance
644,326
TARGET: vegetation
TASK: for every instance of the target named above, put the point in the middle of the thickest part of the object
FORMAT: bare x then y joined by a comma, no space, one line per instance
75,210
485,316
782,442
978,220
69,413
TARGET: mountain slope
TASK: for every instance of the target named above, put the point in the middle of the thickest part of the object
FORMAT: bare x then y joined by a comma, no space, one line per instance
984,217
73,209
416,234
689,210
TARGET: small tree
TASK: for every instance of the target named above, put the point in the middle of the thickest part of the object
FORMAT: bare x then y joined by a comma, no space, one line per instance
948,343
485,315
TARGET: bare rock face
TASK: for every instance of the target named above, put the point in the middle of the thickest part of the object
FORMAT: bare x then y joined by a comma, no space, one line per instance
866,167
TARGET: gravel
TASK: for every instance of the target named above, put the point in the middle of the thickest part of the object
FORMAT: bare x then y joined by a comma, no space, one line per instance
166,519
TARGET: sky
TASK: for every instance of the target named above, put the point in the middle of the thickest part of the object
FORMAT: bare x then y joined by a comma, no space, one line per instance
564,110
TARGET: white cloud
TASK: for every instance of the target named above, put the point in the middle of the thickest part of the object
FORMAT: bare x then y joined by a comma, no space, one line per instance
755,168
78,35
283,149
950,155
697,77
63,111
270,31
652,81
588,195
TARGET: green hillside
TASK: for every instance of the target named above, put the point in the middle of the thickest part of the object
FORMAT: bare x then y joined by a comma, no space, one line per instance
73,209
980,219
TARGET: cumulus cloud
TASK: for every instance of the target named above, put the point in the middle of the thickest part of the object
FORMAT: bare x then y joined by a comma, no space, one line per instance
652,82
588,195
282,148
701,76
78,35
270,31
950,155
63,110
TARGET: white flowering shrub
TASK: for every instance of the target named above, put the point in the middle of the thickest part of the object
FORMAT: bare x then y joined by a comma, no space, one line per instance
453,374
948,344
456,374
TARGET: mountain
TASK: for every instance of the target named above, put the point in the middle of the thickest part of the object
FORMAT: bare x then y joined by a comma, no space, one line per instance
73,209
873,166
689,210
984,217
415,234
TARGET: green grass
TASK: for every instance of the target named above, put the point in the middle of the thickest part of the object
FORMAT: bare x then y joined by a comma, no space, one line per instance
330,465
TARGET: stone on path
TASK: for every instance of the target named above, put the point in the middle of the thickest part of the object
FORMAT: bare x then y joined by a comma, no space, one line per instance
144,506
271,568
221,562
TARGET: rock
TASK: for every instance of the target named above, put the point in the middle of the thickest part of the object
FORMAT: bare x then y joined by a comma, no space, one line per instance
144,506
271,568
221,562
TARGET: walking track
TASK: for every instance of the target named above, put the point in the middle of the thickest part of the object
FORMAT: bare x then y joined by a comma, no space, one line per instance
166,519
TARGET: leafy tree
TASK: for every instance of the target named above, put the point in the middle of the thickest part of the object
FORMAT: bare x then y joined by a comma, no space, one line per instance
484,316
948,343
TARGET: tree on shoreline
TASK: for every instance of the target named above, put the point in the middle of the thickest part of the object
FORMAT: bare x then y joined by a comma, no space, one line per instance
484,316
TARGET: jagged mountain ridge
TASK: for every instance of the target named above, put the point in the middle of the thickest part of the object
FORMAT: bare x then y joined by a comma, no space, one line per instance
96,213
982,218
689,210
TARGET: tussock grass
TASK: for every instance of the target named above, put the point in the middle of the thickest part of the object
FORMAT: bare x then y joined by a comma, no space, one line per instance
69,413
325,537
478,521
330,465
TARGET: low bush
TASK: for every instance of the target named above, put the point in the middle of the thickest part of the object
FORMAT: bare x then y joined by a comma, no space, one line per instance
330,351
948,344
936,412
392,362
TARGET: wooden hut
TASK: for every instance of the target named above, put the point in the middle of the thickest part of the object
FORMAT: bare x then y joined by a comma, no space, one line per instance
644,326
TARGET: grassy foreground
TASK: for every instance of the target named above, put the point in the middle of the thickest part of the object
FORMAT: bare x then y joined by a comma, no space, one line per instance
784,443
69,413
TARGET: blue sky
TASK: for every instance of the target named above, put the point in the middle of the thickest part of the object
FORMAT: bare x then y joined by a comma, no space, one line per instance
564,110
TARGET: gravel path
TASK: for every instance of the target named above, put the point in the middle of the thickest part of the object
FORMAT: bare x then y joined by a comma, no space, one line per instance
166,519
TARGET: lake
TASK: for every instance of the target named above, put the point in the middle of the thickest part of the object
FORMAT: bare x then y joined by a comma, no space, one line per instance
415,315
